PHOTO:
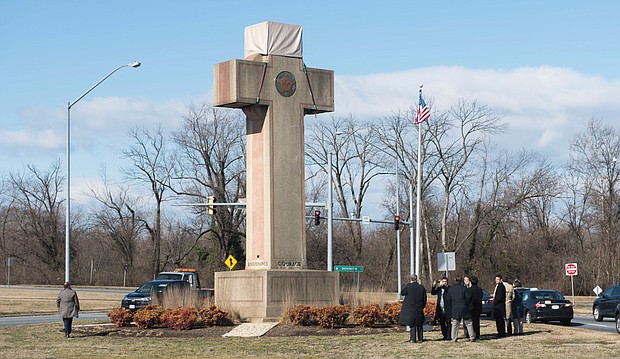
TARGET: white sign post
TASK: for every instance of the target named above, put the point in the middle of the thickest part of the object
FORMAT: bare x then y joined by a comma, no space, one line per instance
446,261
571,270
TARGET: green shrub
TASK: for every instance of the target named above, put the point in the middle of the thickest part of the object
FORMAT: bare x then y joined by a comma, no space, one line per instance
302,315
369,315
120,317
180,318
148,317
333,316
212,315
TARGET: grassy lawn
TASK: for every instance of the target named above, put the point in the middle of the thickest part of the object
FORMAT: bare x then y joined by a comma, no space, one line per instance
47,341
18,300
540,341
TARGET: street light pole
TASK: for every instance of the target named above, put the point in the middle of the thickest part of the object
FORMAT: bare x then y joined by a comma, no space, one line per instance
398,232
68,160
330,216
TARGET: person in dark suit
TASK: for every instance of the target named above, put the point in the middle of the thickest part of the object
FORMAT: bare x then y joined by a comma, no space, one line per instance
499,306
442,311
412,312
459,300
476,302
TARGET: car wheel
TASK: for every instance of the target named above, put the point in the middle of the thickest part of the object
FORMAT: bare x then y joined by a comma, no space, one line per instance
597,314
528,317
566,322
618,323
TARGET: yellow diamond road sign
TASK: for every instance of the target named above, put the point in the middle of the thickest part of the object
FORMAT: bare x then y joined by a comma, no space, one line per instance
230,262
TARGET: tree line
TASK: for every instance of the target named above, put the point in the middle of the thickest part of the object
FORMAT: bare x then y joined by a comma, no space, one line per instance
514,213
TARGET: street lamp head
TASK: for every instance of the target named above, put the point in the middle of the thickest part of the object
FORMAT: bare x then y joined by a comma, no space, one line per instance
135,64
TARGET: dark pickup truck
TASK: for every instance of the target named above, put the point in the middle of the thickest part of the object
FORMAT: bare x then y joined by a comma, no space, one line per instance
152,292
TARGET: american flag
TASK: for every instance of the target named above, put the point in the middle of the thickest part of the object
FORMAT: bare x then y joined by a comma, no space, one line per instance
423,113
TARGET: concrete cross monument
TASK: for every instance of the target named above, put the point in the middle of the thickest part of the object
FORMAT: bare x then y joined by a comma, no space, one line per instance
275,90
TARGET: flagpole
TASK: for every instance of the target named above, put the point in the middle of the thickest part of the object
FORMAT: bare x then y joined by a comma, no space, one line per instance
419,193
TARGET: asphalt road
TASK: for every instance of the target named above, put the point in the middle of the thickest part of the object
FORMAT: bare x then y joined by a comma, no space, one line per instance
587,322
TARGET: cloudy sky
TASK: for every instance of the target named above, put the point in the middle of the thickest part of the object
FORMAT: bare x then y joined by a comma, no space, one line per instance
546,66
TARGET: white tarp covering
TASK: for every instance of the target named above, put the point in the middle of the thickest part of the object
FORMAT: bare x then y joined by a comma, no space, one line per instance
273,38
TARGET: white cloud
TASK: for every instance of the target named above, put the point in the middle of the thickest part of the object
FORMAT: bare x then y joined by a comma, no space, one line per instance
544,106
32,141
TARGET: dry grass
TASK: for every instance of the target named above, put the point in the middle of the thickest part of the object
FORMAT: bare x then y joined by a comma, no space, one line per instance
540,341
18,300
46,341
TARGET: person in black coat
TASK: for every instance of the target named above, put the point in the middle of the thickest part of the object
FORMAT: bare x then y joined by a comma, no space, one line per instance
459,300
476,302
499,306
442,311
412,312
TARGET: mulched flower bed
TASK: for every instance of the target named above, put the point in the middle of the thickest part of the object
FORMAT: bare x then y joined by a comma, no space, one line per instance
281,330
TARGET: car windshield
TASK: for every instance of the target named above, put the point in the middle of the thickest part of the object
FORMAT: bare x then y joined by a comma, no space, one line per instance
170,276
145,288
547,295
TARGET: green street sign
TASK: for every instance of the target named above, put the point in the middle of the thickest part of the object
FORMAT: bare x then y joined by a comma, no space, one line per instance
349,268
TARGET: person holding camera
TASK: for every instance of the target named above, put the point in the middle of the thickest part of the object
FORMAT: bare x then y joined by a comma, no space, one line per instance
442,311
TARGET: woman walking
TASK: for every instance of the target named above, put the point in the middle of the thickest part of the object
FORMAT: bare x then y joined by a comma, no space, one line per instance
68,307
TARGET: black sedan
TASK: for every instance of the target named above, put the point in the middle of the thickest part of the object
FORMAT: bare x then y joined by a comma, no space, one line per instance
151,292
487,303
606,303
618,318
546,306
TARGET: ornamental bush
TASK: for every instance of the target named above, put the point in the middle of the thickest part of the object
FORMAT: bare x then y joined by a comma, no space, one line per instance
333,316
303,315
429,310
369,315
148,317
212,315
392,311
120,317
180,318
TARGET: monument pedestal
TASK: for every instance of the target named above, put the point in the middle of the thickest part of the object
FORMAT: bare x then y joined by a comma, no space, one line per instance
264,295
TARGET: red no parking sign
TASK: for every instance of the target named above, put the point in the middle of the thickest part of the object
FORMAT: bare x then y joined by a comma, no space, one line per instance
571,269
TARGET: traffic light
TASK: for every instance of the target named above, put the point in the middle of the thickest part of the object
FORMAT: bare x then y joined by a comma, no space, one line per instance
211,200
396,223
317,218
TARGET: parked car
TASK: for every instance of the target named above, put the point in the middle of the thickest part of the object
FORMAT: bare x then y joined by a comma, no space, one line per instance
151,292
606,303
618,318
546,306
487,303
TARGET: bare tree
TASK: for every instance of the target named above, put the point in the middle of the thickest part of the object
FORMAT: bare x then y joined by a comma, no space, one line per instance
354,166
118,218
150,166
594,155
33,221
456,137
212,163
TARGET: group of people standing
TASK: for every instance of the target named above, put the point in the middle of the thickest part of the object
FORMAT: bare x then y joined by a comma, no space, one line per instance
508,307
462,302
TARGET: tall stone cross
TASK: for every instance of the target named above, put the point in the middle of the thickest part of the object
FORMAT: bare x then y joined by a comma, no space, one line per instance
275,90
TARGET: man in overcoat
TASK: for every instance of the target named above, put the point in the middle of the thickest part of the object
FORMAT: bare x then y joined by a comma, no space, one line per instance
476,302
499,306
412,312
68,307
459,299
442,311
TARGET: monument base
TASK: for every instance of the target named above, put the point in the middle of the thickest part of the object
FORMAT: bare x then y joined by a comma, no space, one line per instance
264,295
